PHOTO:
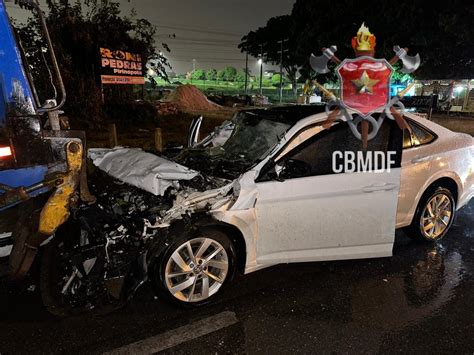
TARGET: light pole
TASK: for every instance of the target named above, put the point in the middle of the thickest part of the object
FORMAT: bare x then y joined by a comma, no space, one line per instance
281,68
260,61
246,69
194,69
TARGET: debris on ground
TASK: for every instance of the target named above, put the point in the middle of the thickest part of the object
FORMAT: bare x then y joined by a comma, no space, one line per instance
260,100
166,108
190,98
231,100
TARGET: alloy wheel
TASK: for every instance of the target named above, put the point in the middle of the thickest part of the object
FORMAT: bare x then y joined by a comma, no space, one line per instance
436,216
196,270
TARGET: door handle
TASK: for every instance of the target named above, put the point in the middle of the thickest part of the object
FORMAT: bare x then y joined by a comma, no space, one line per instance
419,159
379,187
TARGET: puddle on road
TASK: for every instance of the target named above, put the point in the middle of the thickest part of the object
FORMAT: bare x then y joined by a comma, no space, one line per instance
409,296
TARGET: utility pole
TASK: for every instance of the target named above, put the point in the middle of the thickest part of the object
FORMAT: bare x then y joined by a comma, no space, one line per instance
281,68
261,69
246,69
281,71
194,69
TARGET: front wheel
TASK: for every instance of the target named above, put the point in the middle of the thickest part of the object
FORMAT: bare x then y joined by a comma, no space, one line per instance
193,269
434,215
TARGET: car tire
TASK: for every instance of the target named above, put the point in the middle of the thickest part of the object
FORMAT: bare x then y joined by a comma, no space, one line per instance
433,216
194,280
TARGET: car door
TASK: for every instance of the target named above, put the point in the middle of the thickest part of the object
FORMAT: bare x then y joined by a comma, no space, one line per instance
312,213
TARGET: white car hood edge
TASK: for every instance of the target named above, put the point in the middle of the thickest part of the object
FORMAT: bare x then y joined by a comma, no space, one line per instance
144,170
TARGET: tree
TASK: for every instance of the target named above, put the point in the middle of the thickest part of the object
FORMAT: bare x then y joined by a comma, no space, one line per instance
221,75
276,80
240,77
78,29
230,73
211,74
198,74
399,77
441,33
267,39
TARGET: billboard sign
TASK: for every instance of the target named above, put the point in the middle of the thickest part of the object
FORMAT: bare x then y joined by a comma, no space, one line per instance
121,67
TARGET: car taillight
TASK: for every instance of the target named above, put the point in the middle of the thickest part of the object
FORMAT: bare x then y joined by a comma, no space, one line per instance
5,152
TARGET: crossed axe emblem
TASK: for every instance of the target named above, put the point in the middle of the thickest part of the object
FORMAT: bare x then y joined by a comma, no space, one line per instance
338,110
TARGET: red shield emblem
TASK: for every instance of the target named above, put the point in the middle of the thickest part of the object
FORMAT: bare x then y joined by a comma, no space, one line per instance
365,84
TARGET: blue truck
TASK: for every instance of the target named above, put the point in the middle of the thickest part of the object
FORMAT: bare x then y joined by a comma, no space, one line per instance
40,169
53,231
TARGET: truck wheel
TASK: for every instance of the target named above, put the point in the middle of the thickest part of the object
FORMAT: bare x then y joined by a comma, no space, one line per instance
64,289
193,269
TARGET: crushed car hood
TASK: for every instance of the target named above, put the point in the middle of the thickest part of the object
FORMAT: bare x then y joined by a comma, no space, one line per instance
144,170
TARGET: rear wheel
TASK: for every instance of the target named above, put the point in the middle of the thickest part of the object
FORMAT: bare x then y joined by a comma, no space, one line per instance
193,269
434,215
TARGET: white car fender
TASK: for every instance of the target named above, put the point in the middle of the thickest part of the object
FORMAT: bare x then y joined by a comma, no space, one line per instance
438,175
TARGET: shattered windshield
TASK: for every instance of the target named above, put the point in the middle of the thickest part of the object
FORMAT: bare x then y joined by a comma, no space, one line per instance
252,137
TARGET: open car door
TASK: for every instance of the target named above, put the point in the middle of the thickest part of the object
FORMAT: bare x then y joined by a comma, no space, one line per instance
308,212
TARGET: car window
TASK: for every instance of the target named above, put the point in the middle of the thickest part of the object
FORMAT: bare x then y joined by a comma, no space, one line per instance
314,156
406,139
421,135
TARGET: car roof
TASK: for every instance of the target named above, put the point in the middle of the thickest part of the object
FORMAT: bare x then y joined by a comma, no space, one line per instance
302,115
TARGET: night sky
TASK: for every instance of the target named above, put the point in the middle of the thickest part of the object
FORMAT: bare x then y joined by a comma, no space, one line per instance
206,30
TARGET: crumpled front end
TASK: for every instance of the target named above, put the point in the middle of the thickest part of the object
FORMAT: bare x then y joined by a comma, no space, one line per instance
140,169
141,199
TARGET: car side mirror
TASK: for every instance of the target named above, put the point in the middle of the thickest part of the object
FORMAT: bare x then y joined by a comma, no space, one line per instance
293,168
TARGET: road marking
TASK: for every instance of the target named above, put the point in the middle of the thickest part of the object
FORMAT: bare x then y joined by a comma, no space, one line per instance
179,335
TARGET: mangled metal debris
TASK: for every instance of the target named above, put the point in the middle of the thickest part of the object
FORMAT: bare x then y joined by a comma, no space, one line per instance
186,203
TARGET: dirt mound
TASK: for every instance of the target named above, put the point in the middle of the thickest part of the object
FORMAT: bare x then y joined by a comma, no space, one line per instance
190,98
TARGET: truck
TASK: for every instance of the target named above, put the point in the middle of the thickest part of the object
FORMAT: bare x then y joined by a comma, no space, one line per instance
41,169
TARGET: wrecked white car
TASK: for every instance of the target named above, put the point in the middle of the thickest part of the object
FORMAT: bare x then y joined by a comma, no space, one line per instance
259,191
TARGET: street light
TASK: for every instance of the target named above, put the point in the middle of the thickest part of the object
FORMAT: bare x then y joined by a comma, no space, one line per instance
194,69
260,62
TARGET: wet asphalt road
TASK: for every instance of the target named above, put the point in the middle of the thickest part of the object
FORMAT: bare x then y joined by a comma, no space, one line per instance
420,300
